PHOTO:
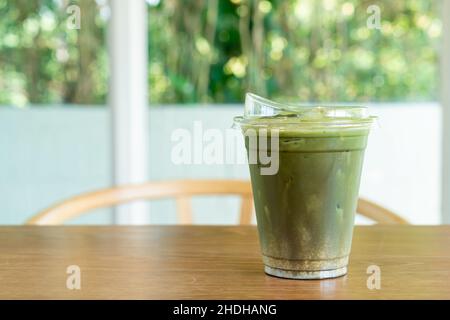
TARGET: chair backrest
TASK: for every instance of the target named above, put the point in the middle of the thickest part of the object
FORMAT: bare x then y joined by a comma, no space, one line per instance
182,191
378,213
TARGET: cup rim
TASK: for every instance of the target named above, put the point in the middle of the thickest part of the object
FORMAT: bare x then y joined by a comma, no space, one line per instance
262,112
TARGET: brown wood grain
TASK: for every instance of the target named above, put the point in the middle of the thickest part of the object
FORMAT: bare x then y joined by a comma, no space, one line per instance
211,262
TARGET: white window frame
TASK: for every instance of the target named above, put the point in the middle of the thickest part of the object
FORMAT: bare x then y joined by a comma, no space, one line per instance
445,104
127,37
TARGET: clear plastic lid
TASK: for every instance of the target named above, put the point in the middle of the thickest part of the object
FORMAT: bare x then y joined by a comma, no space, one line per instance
261,112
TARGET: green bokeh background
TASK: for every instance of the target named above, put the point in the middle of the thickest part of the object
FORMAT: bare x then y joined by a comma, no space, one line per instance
213,51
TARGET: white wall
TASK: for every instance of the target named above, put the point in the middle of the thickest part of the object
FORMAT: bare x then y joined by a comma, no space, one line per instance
48,154
52,153
402,168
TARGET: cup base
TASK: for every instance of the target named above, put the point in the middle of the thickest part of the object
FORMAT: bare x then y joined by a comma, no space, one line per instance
305,275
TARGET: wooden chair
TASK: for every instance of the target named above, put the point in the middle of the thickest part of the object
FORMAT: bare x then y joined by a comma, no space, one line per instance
182,191
378,213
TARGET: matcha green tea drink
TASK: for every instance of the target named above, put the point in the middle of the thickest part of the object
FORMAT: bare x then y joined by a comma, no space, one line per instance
305,205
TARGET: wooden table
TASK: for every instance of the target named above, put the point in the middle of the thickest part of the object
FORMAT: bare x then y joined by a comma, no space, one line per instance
210,262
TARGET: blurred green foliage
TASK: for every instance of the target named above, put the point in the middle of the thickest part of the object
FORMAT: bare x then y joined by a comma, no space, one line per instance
42,61
311,50
213,51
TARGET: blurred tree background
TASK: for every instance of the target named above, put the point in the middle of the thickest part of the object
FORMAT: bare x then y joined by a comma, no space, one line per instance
213,51
42,61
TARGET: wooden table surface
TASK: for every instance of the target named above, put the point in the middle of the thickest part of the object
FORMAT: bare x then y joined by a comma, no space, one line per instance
211,262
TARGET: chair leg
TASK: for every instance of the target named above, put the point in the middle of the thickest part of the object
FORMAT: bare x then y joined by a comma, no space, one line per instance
246,210
184,210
